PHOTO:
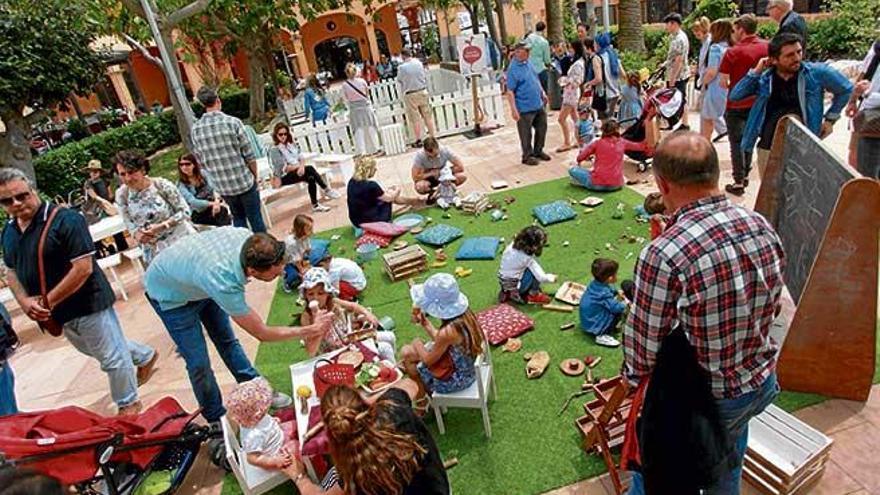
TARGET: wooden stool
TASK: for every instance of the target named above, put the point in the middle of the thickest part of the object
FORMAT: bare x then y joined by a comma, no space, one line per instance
604,424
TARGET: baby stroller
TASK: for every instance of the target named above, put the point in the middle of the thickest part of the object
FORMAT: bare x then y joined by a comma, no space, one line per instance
107,456
668,103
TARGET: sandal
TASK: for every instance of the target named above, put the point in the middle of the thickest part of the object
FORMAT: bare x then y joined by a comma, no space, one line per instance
735,189
563,149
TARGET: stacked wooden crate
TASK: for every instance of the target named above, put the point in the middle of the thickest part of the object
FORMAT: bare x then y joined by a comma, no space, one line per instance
405,263
475,203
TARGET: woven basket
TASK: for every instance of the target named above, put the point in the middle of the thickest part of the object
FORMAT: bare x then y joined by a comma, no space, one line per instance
331,374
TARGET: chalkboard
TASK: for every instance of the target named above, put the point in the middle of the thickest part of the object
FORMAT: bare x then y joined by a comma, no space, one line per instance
809,186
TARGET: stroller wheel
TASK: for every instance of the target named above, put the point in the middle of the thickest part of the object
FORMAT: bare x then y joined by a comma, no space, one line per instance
217,451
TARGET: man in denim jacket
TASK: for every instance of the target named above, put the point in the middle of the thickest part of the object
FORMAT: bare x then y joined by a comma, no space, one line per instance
785,85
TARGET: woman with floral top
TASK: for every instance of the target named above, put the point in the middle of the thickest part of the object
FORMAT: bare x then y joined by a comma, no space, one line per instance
154,211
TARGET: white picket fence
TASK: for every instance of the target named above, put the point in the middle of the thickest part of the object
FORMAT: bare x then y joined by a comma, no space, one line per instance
453,114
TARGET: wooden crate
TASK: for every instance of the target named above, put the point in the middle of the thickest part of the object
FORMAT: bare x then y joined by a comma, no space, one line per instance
784,454
475,203
407,262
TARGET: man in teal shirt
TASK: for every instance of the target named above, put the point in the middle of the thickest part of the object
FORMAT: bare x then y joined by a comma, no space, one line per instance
539,56
199,283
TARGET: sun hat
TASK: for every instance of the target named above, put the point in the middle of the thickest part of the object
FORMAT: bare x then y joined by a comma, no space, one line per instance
440,297
93,165
522,44
249,402
314,276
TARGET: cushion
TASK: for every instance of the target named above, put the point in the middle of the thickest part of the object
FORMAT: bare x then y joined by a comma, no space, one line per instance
439,235
376,239
478,248
386,229
555,212
502,322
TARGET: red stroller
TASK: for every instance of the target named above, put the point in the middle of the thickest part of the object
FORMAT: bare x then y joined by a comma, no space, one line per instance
667,103
98,455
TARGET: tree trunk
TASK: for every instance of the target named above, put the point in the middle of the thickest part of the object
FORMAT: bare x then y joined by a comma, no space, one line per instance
490,21
591,19
554,20
449,39
182,110
502,22
631,36
15,148
257,85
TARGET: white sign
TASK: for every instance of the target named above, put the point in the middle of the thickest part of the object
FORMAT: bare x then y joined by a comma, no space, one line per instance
471,53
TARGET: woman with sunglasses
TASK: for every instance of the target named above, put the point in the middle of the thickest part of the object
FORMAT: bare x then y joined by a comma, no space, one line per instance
154,211
206,205
289,167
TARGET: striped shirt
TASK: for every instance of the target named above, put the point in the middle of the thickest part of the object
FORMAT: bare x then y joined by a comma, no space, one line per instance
223,148
716,272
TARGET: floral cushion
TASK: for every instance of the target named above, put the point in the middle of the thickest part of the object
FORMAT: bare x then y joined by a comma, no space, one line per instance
555,212
502,322
478,248
385,229
369,238
439,235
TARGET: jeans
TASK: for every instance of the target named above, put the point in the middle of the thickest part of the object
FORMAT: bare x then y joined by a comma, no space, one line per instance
868,157
528,284
8,405
99,335
739,158
735,413
584,178
527,121
184,324
311,177
245,208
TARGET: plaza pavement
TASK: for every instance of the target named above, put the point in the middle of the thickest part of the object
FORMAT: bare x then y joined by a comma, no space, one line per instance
51,374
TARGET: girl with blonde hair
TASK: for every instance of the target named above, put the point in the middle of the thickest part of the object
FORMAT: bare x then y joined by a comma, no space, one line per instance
368,200
361,117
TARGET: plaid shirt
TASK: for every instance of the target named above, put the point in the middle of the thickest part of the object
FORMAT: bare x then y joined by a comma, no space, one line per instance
223,148
717,273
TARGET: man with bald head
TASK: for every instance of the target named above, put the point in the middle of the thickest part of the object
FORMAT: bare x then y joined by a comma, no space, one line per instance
715,274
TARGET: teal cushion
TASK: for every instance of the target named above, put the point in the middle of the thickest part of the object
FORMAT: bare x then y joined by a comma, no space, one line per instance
555,212
439,235
478,248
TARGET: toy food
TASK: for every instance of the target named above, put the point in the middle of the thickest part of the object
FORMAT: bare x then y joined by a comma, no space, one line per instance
303,392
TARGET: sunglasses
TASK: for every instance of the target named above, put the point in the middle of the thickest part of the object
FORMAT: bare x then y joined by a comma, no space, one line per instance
185,164
282,133
20,197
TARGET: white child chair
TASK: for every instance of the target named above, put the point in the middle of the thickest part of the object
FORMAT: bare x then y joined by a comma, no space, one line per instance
251,479
474,397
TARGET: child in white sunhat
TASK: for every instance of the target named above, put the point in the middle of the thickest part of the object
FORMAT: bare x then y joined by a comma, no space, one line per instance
268,443
447,192
321,295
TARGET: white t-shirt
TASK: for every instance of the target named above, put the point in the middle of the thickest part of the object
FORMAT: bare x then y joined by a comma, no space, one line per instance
266,437
351,94
346,270
515,262
295,249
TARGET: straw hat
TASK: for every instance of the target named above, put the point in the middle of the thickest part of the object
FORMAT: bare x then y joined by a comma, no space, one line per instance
93,165
440,297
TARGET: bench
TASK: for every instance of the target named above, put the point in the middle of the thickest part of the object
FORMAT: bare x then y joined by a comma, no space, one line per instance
269,194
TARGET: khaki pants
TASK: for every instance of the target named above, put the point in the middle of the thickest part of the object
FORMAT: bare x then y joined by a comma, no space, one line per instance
418,108
763,156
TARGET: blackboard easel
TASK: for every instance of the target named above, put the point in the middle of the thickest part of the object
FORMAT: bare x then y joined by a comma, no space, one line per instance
828,218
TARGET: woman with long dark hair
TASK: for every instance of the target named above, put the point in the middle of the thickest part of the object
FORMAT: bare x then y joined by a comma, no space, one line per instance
206,205
289,167
316,105
379,448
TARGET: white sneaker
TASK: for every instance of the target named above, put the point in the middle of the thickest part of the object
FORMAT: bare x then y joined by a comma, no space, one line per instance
319,208
331,193
442,203
607,341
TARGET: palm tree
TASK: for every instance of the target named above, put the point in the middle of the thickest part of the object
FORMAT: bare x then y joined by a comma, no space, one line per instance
631,36
554,20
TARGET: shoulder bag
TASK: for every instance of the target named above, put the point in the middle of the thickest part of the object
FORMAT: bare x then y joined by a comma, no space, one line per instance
50,326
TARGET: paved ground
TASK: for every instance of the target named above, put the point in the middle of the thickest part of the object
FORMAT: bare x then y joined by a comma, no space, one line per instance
51,373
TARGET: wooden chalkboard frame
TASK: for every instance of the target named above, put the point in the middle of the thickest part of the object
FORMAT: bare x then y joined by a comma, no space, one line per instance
831,343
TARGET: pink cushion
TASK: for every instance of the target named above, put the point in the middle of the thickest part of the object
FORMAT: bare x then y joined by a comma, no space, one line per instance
502,322
318,444
369,238
385,229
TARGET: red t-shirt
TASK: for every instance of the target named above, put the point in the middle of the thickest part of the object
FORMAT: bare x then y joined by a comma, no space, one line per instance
737,62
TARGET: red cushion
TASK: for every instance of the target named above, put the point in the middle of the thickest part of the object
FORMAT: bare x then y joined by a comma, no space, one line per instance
502,322
385,229
376,239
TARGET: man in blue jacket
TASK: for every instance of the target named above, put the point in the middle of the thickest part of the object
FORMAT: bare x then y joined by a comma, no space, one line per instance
784,85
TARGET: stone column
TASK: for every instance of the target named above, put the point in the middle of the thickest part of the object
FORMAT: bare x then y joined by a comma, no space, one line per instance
371,40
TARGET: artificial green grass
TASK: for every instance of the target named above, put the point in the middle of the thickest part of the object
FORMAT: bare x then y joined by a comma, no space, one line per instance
532,449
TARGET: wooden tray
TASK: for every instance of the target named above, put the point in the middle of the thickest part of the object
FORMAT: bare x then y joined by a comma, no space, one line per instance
570,292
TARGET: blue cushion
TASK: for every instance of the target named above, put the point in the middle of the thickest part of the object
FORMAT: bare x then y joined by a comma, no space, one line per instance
555,212
478,248
439,235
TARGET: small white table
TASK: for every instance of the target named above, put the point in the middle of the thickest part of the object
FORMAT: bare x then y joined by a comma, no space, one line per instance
343,162
107,227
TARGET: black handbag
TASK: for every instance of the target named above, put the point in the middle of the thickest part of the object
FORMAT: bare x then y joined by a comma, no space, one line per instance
600,98
9,341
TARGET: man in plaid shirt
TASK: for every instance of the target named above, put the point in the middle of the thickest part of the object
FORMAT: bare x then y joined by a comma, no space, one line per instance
228,161
716,273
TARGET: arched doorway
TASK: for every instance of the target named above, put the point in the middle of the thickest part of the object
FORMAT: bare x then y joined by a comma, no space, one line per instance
382,42
332,55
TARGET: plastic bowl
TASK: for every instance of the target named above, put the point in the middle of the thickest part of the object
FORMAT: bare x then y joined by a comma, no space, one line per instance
367,252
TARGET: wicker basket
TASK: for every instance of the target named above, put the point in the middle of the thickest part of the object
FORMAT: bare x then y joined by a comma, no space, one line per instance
331,374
